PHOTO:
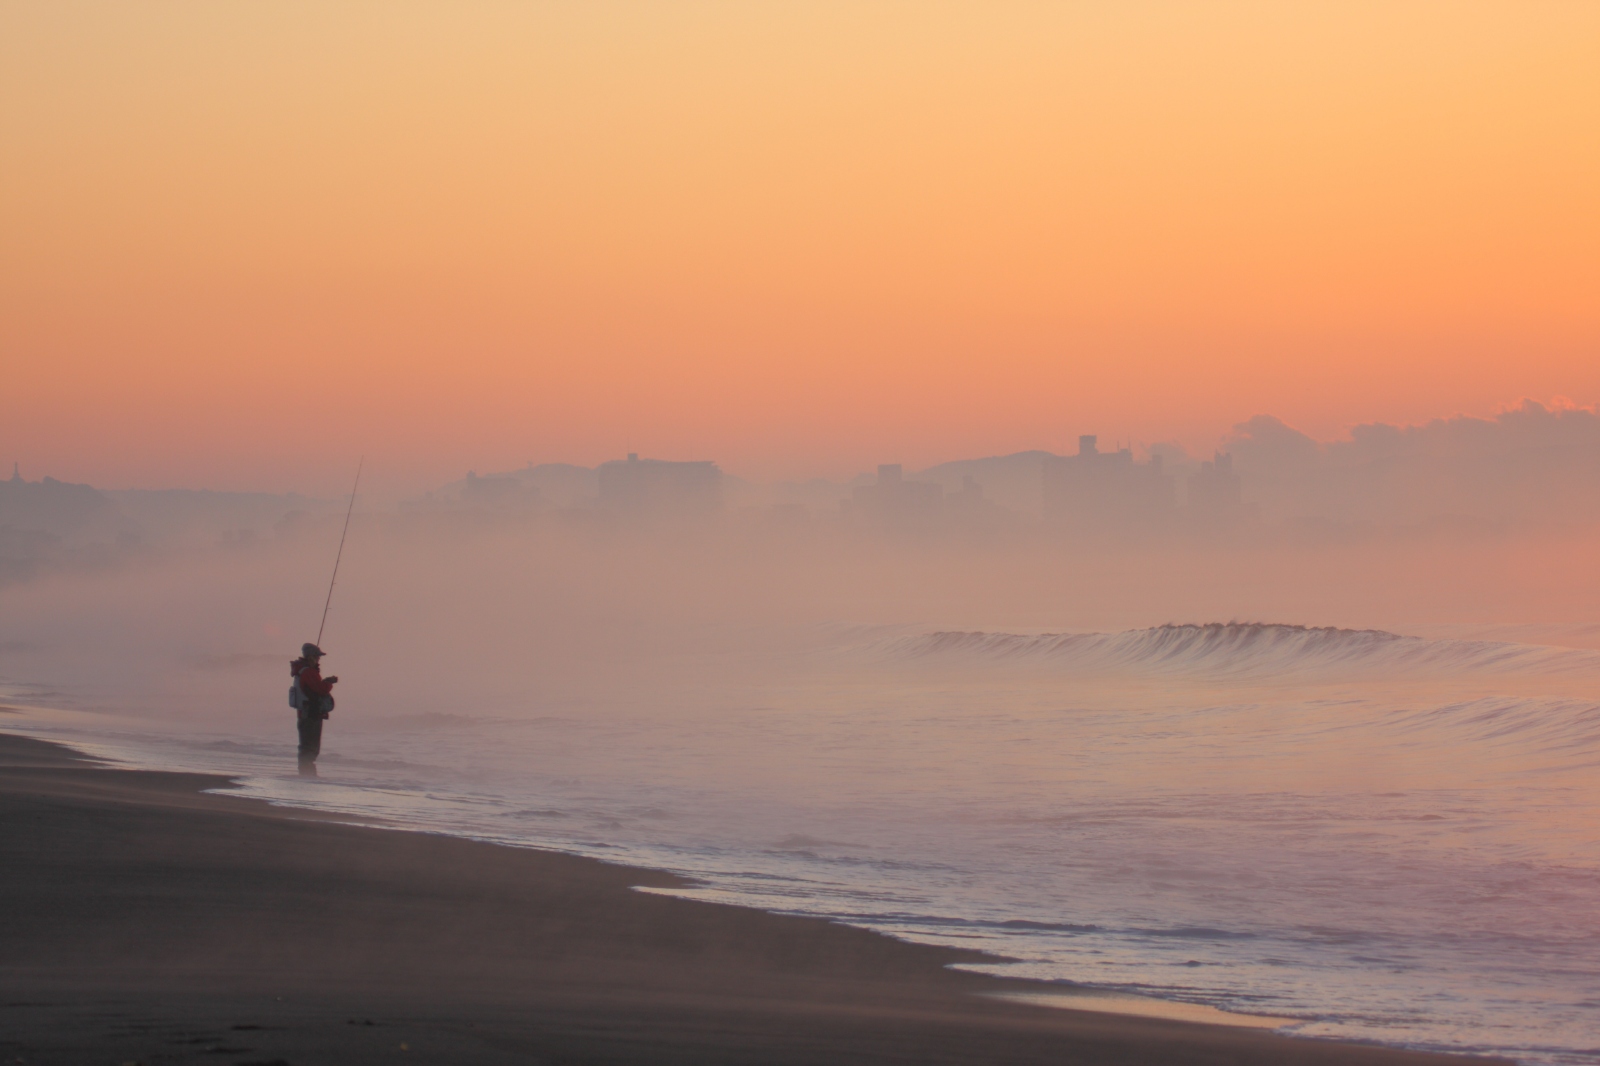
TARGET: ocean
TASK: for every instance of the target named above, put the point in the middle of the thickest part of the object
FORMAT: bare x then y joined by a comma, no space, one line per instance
1366,835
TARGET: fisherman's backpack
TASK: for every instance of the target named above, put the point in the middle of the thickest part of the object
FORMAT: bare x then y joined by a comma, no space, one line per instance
295,667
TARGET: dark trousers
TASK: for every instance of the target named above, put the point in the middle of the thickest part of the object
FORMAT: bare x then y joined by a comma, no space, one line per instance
310,724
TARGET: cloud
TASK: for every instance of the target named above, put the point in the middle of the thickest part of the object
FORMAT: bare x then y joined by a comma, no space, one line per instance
1530,464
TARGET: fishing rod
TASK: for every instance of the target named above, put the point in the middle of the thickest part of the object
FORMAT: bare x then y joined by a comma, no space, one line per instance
329,601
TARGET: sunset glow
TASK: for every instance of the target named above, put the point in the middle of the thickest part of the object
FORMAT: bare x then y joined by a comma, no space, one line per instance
818,530
244,243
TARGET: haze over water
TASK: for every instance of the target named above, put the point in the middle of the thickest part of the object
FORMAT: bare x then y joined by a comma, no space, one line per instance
1114,484
1370,835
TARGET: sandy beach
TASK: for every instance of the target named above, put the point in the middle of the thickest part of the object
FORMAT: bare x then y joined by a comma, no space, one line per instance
145,921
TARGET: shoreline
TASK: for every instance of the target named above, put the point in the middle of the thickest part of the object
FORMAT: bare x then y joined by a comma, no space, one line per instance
1042,992
135,893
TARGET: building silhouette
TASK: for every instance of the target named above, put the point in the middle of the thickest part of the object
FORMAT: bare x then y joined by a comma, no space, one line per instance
500,492
655,487
1215,487
892,502
1097,491
58,507
1216,495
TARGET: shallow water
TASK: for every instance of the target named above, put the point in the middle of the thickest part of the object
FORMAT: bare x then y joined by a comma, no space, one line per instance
1375,837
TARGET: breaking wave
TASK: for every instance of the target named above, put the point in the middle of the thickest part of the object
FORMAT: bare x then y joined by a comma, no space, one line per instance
1243,650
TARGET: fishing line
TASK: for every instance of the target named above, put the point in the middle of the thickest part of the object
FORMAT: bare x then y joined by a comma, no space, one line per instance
329,601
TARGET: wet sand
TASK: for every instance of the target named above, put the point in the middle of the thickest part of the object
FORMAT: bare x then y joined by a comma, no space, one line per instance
144,921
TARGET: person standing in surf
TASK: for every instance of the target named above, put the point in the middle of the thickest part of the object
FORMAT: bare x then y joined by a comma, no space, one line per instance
314,704
311,695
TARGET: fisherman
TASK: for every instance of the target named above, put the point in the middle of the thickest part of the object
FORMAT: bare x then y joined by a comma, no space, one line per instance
314,705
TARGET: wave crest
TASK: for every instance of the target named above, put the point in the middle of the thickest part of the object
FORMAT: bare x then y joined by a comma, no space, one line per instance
1244,649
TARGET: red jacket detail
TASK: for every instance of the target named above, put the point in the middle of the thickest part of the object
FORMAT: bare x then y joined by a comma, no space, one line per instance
311,681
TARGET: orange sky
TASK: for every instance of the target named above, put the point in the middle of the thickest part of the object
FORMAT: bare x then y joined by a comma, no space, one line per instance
241,243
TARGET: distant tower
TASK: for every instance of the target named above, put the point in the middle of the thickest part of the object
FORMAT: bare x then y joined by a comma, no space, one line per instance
16,472
1086,444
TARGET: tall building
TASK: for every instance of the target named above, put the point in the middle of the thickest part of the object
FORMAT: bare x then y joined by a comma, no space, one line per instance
1216,496
654,486
895,503
1097,491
